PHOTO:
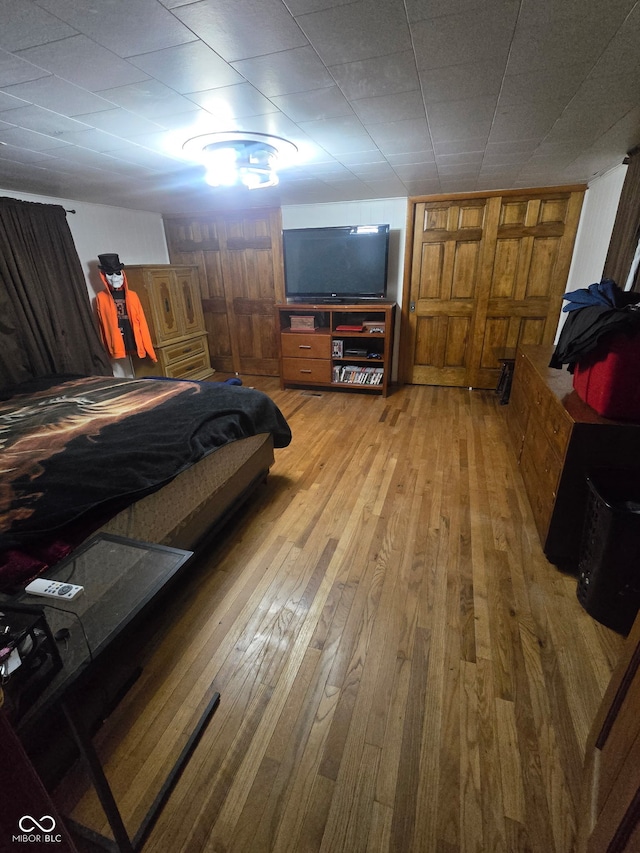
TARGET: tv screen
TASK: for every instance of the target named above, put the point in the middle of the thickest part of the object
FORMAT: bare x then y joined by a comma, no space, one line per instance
337,264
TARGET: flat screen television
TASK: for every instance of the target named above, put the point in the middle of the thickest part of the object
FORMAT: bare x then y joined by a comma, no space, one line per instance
346,263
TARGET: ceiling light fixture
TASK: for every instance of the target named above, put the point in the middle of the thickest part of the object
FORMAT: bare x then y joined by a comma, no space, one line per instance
240,159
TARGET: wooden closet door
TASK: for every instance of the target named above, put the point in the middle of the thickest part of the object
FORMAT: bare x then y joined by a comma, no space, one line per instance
487,271
250,260
448,264
239,260
523,296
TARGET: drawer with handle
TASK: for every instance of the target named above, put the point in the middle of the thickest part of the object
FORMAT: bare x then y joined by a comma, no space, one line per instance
306,370
306,346
186,349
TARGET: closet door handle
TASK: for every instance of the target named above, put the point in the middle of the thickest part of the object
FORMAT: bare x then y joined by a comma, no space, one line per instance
304,346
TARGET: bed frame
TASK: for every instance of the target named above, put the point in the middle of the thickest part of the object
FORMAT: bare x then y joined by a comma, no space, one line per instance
196,504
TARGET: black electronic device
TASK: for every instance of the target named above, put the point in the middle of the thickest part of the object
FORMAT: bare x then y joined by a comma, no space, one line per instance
336,264
29,657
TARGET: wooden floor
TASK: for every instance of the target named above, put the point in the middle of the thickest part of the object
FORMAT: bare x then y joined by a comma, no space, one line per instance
400,668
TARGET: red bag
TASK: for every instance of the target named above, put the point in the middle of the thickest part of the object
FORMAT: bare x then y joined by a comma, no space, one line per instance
608,378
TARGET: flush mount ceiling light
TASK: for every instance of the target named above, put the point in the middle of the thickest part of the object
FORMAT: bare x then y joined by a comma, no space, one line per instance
235,158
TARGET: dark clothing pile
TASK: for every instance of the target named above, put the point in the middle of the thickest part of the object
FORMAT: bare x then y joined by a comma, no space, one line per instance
593,312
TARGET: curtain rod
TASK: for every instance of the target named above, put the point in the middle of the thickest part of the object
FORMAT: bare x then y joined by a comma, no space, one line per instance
69,211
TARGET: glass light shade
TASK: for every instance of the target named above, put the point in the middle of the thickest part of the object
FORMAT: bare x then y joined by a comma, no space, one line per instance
233,159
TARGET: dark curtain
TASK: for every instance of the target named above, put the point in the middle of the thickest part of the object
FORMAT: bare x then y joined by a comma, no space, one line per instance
46,322
626,229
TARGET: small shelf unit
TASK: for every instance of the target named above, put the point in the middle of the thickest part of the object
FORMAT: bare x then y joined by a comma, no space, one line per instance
346,346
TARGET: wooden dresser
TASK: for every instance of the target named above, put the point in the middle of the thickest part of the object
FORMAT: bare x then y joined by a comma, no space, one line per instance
170,297
559,441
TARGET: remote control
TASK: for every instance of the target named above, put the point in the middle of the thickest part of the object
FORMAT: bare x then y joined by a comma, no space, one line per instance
53,589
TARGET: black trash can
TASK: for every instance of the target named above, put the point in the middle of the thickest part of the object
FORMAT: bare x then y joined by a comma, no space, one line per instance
609,567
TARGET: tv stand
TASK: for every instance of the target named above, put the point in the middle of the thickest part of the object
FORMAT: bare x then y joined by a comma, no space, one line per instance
345,346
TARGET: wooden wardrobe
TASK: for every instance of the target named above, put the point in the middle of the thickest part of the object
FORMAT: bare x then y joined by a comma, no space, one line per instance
483,272
239,259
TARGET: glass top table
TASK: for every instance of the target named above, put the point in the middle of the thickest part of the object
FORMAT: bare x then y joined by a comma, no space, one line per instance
121,578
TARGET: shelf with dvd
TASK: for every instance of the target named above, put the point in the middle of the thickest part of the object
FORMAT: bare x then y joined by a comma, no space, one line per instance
338,346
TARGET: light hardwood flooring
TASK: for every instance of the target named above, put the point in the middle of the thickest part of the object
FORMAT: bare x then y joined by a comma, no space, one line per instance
400,667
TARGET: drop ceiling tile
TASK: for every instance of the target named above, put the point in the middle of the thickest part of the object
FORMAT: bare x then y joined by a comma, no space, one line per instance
195,117
565,14
504,158
83,62
43,121
96,160
421,10
525,121
338,135
406,158
373,171
503,169
314,105
388,108
123,27
29,139
96,140
148,98
286,72
575,125
191,67
119,122
620,55
21,155
458,82
401,137
26,24
237,101
459,146
9,102
461,119
256,28
619,89
363,158
150,160
474,157
459,170
429,186
389,188
539,47
384,75
58,95
481,36
14,69
416,172
531,86
361,30
276,123
301,7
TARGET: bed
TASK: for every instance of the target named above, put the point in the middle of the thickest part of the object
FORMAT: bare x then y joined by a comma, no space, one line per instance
158,460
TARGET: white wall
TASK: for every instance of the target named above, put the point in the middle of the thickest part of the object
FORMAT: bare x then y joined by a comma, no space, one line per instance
594,231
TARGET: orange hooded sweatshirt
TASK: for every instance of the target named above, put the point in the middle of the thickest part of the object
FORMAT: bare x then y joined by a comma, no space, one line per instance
108,319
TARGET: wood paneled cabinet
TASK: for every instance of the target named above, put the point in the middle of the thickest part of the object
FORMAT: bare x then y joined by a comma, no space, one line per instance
170,297
559,441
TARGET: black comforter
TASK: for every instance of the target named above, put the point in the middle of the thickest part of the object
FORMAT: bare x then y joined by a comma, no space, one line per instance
70,446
